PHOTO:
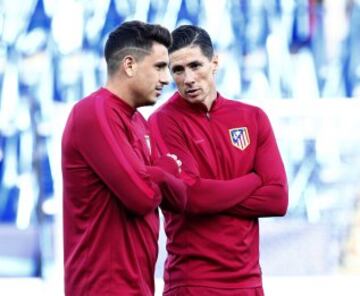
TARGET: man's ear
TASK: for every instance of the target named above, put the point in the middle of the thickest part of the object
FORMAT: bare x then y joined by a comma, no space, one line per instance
129,64
215,63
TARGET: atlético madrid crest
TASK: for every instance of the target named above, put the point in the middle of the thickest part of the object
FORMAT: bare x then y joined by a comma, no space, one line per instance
239,137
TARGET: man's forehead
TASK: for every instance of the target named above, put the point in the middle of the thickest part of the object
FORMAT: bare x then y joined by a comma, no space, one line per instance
186,55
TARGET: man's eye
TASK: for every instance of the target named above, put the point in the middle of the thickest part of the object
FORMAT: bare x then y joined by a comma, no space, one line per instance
177,70
161,66
195,66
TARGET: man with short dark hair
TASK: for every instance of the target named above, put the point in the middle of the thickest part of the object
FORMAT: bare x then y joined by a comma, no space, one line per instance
113,181
233,171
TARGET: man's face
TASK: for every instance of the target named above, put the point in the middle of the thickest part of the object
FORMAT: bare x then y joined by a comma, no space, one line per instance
193,74
151,75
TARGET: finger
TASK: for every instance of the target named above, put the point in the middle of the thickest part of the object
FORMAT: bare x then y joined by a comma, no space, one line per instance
173,156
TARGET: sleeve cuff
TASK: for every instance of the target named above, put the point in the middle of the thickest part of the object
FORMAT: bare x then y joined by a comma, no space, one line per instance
168,164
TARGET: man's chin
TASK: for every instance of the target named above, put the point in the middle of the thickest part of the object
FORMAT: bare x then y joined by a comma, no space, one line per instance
193,100
150,102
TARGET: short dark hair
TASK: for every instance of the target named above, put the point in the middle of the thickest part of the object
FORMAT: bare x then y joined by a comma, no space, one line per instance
189,35
133,37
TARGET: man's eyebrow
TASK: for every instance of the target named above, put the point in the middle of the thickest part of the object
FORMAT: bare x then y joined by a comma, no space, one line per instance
194,63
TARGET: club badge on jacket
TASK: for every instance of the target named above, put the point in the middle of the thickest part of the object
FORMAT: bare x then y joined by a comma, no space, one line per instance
239,137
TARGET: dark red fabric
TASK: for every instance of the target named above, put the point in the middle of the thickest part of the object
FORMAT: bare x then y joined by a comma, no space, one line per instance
216,242
203,291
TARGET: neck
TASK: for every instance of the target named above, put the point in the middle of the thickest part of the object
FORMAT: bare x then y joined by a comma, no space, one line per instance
211,99
120,89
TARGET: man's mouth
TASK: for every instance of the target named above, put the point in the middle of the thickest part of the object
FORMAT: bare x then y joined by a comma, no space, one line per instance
158,91
192,91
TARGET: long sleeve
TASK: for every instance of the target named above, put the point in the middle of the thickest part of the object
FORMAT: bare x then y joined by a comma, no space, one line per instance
271,199
204,195
165,172
101,141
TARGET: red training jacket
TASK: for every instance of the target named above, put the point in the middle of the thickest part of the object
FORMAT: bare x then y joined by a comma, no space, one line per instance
110,199
234,173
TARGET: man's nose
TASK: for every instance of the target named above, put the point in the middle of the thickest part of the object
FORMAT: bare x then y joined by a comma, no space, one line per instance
165,77
189,76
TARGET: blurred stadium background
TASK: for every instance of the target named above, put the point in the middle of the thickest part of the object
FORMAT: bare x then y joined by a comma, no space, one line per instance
297,59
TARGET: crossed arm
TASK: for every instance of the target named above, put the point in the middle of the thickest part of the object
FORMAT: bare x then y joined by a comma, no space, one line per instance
270,199
103,144
259,194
